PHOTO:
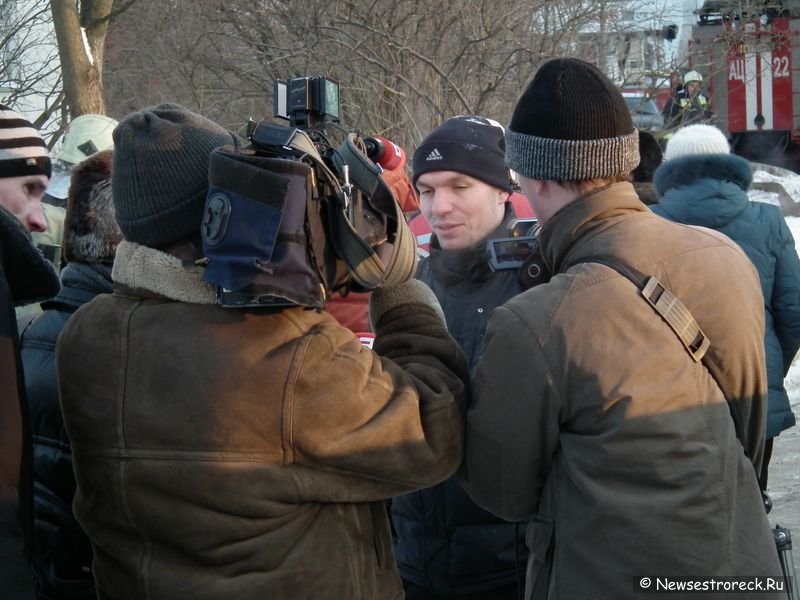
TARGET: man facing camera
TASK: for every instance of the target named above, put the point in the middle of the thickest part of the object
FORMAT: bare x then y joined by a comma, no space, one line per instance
447,546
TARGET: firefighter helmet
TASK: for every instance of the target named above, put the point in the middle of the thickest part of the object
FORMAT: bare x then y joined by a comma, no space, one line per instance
86,135
692,76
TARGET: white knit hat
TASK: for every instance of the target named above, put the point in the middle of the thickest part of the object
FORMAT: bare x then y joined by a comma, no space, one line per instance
696,139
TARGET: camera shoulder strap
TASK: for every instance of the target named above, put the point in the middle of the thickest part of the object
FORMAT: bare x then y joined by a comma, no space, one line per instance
362,261
680,320
367,268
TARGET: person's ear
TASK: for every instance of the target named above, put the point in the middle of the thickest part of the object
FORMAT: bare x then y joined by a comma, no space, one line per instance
540,186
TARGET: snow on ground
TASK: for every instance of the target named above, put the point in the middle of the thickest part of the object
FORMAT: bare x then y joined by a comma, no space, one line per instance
790,182
765,197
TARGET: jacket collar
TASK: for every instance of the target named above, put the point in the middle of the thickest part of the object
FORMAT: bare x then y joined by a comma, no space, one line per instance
29,275
567,235
80,283
149,272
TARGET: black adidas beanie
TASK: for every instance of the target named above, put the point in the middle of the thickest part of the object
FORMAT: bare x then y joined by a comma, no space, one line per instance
468,144
571,124
160,166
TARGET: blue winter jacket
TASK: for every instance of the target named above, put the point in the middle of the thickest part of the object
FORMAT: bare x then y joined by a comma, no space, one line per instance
61,555
711,191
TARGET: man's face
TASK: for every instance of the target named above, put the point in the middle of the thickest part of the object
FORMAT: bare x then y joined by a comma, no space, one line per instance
22,197
692,88
461,210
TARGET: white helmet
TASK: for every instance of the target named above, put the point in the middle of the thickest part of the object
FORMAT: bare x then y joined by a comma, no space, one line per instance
86,135
692,76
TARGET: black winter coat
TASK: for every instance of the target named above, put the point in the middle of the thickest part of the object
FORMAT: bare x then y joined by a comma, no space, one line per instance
25,277
444,541
61,553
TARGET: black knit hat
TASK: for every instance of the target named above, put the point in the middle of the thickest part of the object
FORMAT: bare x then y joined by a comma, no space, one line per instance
571,124
160,180
465,144
22,149
91,233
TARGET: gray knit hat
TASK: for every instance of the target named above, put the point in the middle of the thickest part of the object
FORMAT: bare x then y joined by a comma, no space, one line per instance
161,172
571,124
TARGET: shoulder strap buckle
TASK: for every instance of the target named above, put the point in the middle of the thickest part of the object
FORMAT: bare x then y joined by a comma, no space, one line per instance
677,316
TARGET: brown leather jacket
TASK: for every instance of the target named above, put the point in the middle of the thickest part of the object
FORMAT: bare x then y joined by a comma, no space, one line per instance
227,453
602,430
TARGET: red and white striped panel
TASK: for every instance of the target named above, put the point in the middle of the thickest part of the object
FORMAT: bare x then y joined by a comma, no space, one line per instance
760,78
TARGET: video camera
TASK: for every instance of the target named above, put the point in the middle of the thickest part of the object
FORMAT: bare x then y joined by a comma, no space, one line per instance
512,251
292,217
520,251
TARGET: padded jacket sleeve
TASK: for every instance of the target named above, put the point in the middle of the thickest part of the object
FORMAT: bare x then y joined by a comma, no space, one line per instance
513,423
362,425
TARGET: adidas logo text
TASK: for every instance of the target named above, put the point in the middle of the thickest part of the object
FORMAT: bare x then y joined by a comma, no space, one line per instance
435,155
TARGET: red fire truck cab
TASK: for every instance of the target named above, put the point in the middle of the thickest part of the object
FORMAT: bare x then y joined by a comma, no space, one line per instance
749,55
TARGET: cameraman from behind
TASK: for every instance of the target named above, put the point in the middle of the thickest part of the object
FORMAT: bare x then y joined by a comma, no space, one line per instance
245,452
447,546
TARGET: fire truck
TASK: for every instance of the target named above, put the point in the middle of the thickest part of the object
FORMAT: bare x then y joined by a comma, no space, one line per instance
749,54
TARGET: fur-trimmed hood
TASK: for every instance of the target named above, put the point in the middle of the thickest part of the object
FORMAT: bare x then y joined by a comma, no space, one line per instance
708,190
687,170
145,269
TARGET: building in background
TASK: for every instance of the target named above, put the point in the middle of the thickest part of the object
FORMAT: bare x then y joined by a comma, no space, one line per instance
640,44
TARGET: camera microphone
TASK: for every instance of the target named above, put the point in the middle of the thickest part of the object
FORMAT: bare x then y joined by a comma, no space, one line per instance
385,153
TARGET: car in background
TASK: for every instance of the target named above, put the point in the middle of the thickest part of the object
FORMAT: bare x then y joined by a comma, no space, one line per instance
644,111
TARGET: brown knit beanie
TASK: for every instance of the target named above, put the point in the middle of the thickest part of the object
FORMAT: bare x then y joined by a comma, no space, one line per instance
571,124
160,178
91,233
